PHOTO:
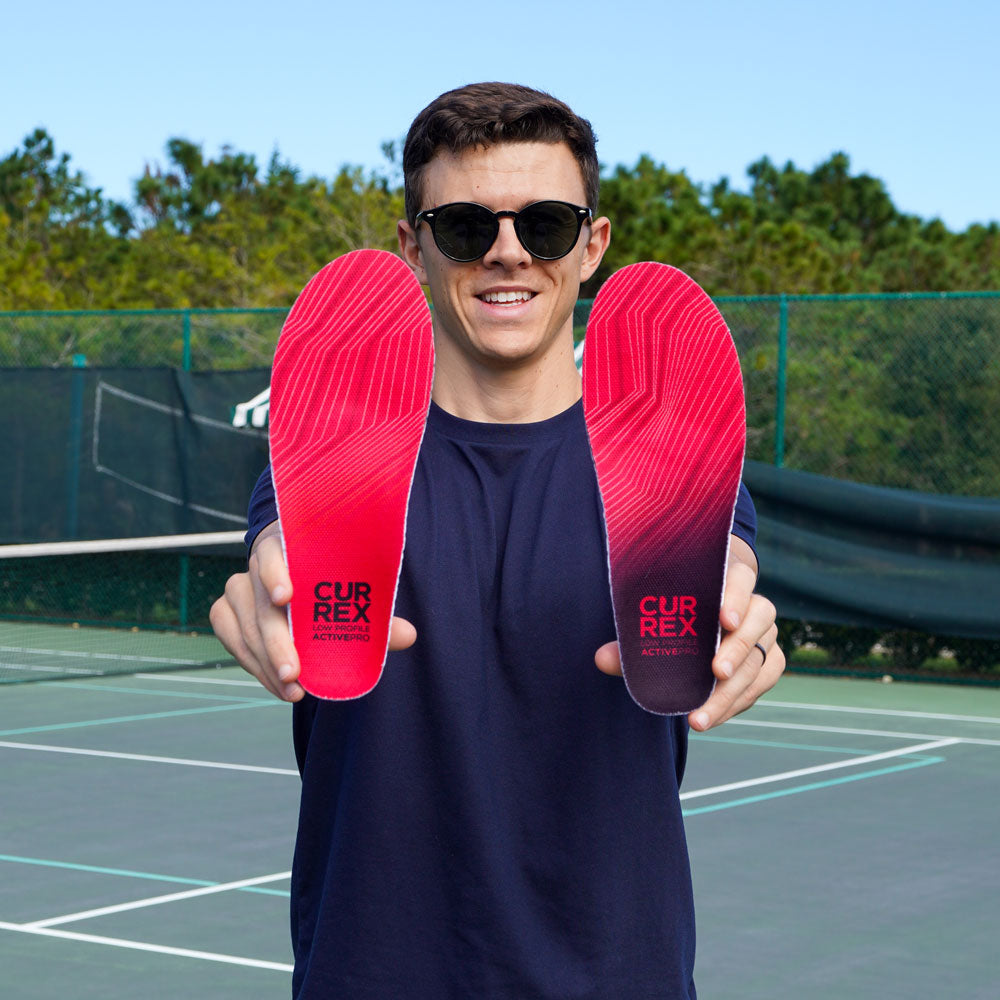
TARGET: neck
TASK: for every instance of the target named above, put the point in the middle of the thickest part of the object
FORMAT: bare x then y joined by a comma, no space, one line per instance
521,393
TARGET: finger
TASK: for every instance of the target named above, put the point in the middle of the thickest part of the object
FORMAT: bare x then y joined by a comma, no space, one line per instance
402,634
272,568
739,664
227,631
770,673
264,624
763,679
227,627
609,659
753,677
736,645
741,578
740,582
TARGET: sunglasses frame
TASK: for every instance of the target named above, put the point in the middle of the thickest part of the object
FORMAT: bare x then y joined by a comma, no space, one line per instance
429,216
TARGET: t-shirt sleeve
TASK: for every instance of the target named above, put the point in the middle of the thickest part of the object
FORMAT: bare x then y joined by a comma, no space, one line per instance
744,518
263,508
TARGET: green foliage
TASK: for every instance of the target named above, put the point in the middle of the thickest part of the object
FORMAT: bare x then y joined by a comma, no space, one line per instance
201,233
846,644
793,232
850,648
977,656
792,634
907,649
222,232
56,239
896,394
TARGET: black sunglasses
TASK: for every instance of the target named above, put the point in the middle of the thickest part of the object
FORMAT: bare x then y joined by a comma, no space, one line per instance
465,231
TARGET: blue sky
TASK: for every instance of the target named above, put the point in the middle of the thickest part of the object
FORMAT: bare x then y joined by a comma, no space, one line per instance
910,90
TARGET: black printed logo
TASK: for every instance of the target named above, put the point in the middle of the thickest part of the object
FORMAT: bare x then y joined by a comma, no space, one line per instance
340,601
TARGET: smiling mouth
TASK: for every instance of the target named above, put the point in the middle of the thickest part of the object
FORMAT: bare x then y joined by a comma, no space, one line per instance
501,298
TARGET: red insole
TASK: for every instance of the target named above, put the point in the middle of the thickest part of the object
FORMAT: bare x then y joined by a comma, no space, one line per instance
350,389
663,401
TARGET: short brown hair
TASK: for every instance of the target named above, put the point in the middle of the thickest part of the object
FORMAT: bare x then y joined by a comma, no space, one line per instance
484,114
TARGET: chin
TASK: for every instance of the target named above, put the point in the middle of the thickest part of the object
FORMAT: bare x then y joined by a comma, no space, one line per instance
508,352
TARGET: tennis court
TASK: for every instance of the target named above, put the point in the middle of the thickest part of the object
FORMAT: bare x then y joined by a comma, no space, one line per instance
843,838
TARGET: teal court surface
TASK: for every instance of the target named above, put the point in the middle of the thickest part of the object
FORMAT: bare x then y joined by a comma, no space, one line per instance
843,837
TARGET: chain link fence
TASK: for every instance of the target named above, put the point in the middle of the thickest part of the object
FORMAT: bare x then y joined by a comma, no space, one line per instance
892,390
190,339
889,390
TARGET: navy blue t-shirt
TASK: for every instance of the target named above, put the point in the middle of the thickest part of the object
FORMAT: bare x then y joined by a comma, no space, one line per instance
497,819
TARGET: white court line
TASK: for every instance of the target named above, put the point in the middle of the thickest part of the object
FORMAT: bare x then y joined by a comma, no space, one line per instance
80,671
853,710
834,729
197,680
836,765
254,963
859,732
89,655
171,897
149,758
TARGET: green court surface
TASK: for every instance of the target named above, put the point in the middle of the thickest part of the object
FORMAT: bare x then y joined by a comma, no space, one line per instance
842,836
48,651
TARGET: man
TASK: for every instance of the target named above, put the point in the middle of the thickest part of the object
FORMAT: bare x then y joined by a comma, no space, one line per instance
497,819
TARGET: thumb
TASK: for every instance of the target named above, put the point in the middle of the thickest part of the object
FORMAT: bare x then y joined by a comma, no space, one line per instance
609,659
402,634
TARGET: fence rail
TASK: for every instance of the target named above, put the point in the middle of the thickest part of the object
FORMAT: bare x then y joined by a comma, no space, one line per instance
894,390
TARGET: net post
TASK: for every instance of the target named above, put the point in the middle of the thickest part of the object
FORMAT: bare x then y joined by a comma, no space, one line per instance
73,446
186,353
779,415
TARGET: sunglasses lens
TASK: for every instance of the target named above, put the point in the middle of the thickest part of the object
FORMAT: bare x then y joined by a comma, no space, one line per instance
548,229
465,232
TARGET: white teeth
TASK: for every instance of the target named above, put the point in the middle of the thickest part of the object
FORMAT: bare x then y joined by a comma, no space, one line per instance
505,296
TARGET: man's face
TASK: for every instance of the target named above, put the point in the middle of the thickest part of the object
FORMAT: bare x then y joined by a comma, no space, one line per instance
472,326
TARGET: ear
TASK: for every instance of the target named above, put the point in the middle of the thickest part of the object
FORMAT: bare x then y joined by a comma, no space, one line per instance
409,250
596,245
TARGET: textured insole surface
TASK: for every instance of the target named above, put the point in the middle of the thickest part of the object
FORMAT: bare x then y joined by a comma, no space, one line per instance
350,389
663,400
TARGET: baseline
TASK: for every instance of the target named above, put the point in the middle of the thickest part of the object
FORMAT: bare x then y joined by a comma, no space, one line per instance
894,734
748,741
76,866
819,768
170,897
813,786
896,712
208,956
150,758
85,654
142,717
195,680
98,688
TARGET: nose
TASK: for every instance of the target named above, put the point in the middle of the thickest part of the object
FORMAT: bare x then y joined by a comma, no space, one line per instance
507,250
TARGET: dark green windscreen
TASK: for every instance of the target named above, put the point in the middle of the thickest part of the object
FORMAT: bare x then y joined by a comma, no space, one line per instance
122,453
834,551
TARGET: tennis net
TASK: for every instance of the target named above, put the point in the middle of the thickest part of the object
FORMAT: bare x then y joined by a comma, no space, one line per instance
72,609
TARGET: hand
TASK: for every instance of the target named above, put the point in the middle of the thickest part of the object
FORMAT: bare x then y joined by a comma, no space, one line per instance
743,675
251,621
